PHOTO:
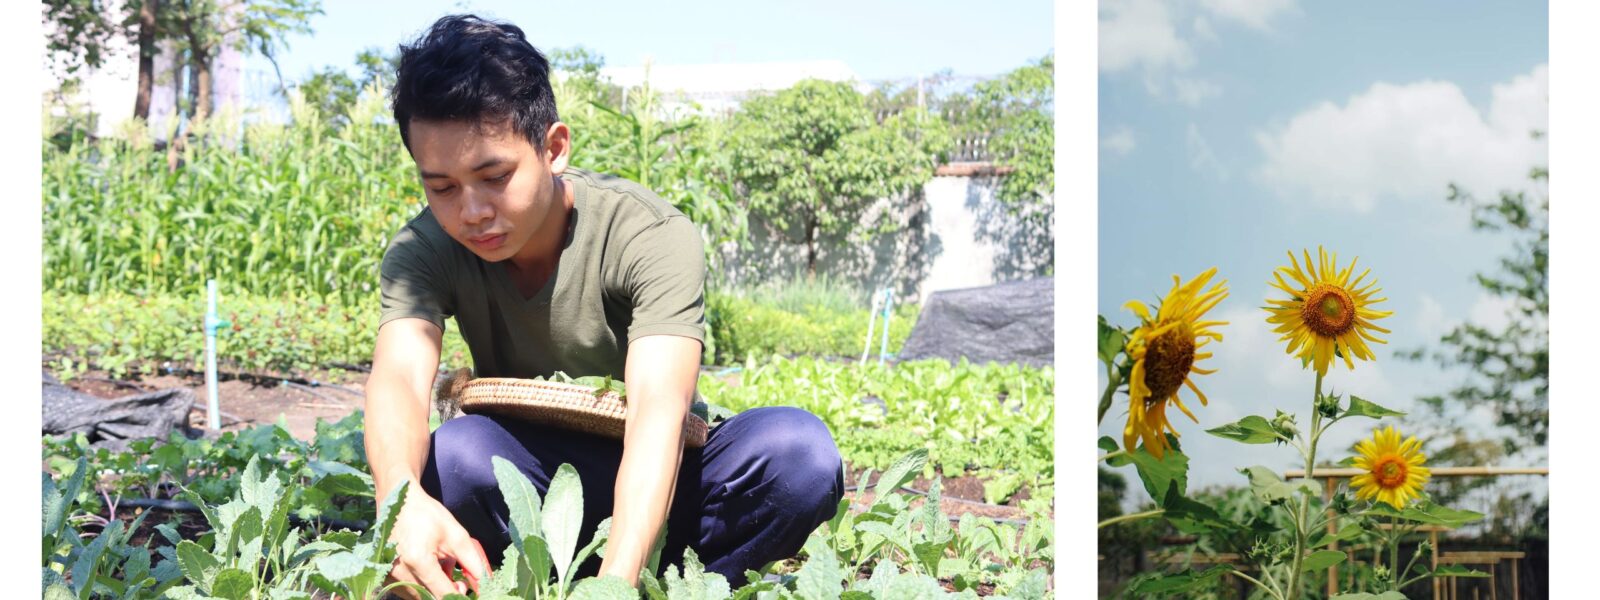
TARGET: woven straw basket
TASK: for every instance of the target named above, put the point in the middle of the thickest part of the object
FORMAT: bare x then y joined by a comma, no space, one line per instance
563,405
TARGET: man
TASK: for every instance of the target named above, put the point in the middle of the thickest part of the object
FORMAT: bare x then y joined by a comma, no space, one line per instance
548,268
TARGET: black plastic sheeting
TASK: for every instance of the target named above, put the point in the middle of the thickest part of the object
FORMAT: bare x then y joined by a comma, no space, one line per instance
1010,322
112,424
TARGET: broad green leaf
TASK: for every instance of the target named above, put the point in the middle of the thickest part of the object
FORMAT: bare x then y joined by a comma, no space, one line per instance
1181,582
1112,340
1366,596
536,555
1110,445
232,584
1032,585
900,473
522,498
388,510
55,512
1363,408
999,489
1427,512
1322,559
1249,430
1458,571
58,592
1270,488
563,518
821,577
1349,532
1158,474
1191,516
196,563
87,566
609,587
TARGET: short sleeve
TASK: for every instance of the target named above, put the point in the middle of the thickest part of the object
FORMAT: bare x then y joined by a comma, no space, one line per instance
665,274
413,282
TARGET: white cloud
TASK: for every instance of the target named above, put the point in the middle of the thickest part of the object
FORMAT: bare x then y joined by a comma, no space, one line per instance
1253,13
1194,91
1201,157
1492,312
1140,33
1409,141
1431,321
1119,142
1203,30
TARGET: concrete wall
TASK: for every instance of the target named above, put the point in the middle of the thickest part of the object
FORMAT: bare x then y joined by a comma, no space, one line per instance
950,234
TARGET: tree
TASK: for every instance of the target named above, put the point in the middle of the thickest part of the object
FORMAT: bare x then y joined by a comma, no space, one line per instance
1018,110
1510,365
815,156
332,91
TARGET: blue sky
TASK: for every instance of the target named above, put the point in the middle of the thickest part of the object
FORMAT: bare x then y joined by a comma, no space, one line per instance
879,40
1235,130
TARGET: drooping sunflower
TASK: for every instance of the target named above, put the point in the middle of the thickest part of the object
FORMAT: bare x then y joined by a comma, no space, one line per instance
1164,349
1394,472
1328,313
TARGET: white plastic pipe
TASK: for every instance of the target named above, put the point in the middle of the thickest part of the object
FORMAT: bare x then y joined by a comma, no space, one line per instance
872,319
888,313
213,418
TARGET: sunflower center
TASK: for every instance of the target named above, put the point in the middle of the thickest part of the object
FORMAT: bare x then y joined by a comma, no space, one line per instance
1329,310
1167,360
1390,471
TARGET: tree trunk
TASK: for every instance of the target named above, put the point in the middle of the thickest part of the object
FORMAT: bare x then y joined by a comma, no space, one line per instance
811,250
147,57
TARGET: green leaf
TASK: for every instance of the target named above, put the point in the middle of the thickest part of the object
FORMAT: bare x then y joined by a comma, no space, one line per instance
1158,474
1110,445
1249,430
387,511
999,489
562,518
903,471
602,532
1193,517
536,555
1349,532
1181,582
1322,559
1458,571
1270,488
821,577
1363,408
1391,595
196,563
1112,340
609,587
1427,512
232,584
522,498
58,592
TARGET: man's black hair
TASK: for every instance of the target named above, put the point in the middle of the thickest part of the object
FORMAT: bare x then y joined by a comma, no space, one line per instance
469,69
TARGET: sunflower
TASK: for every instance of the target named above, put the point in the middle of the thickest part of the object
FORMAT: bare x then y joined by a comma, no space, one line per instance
1394,471
1327,314
1164,349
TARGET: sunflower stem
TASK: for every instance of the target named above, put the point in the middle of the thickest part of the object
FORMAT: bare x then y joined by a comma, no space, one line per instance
1111,455
1263,586
1394,548
1106,397
1301,532
1133,517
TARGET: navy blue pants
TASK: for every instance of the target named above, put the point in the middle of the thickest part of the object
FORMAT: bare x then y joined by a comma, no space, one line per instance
764,481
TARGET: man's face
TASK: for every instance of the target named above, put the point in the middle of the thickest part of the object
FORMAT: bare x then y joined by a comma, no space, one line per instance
490,189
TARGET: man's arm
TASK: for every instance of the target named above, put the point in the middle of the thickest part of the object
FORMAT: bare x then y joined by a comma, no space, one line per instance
427,537
660,376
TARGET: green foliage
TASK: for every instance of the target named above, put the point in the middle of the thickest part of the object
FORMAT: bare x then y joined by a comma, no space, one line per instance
984,419
1510,364
126,334
745,324
292,210
1019,109
814,157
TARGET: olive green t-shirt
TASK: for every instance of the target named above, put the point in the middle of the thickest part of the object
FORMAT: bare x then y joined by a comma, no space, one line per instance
634,266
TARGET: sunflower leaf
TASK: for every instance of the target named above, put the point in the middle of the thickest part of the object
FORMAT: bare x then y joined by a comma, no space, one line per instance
1363,408
1249,430
1391,595
1181,582
1457,571
1110,445
1112,339
1273,489
1428,513
1322,559
1159,474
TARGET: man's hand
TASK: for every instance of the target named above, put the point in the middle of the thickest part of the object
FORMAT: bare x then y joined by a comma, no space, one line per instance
430,544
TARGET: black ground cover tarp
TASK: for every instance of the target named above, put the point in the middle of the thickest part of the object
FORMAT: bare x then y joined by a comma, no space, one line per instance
113,423
1010,322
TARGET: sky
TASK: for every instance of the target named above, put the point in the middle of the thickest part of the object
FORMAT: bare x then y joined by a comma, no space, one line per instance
1233,131
896,39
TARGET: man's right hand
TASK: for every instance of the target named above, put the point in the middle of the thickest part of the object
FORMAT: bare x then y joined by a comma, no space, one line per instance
430,544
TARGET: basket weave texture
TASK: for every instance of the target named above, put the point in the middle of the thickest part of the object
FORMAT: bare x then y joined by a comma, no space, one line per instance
563,405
